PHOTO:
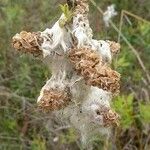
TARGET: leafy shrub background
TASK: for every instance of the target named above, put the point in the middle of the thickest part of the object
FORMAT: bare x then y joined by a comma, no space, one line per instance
21,78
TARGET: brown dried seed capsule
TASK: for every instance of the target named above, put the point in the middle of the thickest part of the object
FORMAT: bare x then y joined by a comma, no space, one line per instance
89,64
81,7
27,42
54,99
114,47
110,117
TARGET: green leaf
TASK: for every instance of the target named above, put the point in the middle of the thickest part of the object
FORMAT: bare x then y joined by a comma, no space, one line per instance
145,113
123,105
38,143
121,62
69,137
68,15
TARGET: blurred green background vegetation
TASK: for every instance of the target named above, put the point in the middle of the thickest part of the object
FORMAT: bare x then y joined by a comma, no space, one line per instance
22,127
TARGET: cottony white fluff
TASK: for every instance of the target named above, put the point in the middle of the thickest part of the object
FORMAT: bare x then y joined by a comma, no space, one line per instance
82,31
62,75
79,90
96,99
103,48
92,124
17,37
85,117
55,37
82,113
81,36
62,72
108,14
54,82
80,21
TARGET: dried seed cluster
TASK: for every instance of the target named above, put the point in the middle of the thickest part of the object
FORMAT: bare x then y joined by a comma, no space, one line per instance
88,64
54,99
27,42
57,93
114,47
110,117
82,7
